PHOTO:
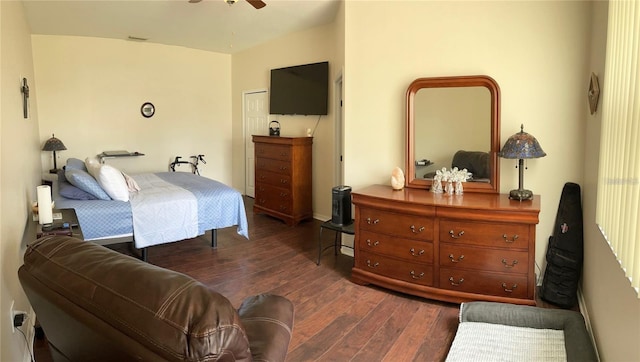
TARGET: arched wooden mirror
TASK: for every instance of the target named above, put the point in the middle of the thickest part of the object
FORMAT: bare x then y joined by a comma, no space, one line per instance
453,122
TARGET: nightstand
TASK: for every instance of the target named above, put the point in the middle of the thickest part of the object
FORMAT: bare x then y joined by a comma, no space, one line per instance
69,217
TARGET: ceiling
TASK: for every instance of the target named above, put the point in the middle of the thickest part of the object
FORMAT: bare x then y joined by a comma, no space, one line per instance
210,25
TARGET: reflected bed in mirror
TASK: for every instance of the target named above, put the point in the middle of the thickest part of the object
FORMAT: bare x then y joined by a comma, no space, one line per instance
453,122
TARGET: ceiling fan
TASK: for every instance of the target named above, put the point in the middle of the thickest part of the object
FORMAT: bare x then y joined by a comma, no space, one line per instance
258,4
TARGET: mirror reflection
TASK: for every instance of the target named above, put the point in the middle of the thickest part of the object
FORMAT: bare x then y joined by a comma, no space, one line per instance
465,114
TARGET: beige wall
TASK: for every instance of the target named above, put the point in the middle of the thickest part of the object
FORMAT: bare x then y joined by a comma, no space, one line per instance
19,171
613,307
92,90
251,71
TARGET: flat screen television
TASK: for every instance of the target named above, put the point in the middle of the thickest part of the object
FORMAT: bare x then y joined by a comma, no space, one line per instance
301,89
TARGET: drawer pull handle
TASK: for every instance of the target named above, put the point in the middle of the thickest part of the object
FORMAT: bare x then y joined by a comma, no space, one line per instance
284,154
413,252
506,289
453,282
369,221
375,243
507,265
282,181
414,276
284,194
453,259
415,231
453,234
374,265
507,240
283,168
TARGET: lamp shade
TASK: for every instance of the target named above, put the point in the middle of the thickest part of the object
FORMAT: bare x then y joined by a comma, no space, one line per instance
53,144
521,145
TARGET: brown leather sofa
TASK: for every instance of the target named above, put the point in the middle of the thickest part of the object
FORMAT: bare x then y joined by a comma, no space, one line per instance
95,304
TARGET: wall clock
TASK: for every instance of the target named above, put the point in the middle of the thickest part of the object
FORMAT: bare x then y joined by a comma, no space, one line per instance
147,109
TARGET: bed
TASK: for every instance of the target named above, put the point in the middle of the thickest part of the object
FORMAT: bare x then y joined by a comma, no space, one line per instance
153,208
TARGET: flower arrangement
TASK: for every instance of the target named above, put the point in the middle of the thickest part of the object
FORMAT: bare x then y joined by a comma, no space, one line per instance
450,178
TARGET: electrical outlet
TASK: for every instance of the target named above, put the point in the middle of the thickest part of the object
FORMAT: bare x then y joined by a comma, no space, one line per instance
14,313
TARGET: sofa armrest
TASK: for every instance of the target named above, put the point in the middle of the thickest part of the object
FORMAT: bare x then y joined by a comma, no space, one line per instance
268,321
578,344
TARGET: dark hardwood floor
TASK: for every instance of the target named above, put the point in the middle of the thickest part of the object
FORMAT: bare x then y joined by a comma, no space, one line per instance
335,319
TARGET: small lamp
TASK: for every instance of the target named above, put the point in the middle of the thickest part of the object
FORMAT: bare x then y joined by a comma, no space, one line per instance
54,144
521,145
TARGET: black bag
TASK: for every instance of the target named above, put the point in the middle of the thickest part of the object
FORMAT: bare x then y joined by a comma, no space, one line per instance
565,251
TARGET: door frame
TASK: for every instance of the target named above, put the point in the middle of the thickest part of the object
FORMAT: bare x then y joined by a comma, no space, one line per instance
338,176
244,131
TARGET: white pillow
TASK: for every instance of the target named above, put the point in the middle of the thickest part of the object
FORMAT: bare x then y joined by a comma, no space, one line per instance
93,165
112,182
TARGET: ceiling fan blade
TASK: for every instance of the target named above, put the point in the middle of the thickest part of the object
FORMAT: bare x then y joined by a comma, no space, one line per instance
258,4
194,1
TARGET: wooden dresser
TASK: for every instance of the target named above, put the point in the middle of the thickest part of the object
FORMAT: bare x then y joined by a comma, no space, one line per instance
452,248
283,177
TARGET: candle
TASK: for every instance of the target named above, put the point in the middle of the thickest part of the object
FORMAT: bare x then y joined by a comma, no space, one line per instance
45,213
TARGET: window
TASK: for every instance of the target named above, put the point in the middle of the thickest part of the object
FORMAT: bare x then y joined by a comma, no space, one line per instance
618,208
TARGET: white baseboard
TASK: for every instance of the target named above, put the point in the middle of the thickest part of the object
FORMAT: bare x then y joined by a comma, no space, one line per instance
585,314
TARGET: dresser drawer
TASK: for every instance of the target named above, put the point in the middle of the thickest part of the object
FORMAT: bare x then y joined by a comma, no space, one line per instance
485,234
395,224
276,152
507,261
407,249
273,198
498,284
277,166
393,268
274,179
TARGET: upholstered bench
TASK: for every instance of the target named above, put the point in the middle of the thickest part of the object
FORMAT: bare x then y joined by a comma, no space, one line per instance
504,332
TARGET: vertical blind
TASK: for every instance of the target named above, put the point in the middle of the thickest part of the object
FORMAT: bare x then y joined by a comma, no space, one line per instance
618,207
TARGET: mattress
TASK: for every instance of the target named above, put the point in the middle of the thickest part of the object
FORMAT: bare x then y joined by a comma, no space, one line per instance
490,342
219,206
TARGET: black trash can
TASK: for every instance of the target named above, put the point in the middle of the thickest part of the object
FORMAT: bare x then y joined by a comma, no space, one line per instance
341,205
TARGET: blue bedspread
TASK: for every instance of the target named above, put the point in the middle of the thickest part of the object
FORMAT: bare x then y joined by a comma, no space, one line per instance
219,206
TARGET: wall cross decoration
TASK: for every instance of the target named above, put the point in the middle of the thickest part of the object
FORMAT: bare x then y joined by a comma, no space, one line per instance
25,98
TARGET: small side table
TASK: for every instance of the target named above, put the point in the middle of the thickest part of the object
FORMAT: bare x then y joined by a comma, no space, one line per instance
339,229
68,216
